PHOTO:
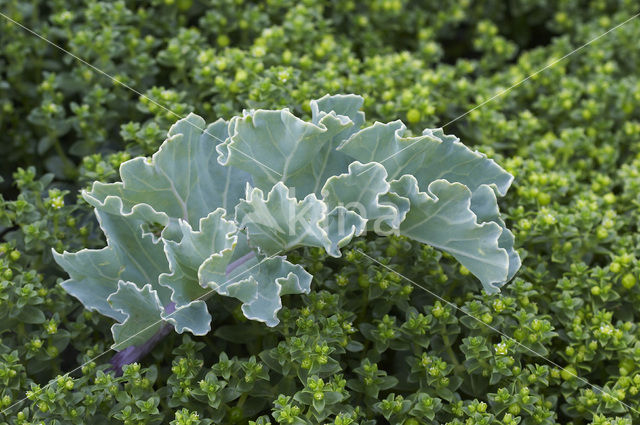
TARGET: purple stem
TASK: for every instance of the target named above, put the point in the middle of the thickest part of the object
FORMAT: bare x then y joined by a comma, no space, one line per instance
133,353
240,261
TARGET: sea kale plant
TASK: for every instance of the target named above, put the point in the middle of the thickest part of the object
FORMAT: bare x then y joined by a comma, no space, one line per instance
218,207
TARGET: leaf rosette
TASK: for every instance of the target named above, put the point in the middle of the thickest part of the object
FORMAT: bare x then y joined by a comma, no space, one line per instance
216,209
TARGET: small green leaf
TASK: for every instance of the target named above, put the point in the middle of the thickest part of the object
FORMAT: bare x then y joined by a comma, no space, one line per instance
31,314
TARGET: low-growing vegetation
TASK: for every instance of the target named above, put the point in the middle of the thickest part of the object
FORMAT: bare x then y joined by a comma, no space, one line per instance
393,330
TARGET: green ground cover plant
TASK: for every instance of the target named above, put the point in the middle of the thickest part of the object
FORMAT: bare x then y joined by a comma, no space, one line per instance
365,345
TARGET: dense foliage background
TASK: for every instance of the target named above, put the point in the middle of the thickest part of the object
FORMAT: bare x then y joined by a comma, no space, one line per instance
366,346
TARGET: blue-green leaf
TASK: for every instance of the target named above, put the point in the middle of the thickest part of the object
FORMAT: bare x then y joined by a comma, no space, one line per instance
172,242
428,157
342,116
360,190
215,238
342,225
485,206
274,145
280,222
142,308
183,179
442,217
137,250
260,286
94,275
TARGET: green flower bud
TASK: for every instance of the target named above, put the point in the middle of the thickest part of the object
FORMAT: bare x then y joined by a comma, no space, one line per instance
413,116
628,281
568,373
14,255
363,281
